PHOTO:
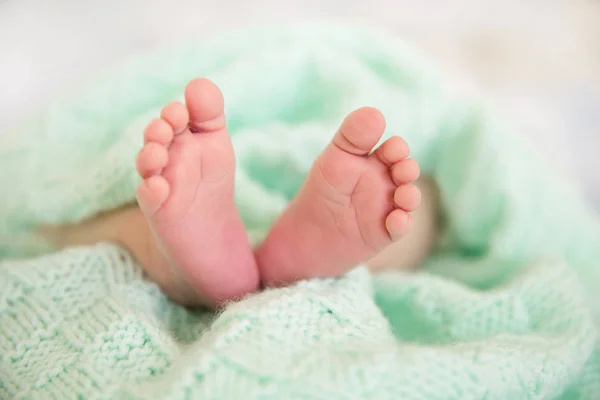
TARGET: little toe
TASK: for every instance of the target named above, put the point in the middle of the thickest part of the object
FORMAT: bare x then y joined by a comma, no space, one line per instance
405,171
360,131
158,131
397,223
151,159
393,150
152,193
205,105
407,197
176,115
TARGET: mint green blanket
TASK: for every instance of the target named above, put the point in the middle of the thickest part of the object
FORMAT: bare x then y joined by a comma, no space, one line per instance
509,309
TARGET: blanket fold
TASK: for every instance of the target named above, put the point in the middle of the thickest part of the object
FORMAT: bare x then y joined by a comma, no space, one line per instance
507,309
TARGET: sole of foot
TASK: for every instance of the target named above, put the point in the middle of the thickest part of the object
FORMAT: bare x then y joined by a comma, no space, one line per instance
187,198
355,202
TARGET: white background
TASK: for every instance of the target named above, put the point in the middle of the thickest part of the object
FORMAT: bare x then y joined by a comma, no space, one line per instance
539,58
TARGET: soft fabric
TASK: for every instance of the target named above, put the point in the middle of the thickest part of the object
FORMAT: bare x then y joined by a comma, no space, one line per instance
507,309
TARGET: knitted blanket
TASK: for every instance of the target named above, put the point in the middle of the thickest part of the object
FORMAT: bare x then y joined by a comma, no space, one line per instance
507,309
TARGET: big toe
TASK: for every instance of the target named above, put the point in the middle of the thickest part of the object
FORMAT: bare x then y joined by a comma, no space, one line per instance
205,105
360,131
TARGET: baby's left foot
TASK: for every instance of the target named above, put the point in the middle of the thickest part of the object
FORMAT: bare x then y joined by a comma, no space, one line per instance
354,203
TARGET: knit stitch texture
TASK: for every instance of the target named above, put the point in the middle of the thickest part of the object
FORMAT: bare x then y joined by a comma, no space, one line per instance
508,309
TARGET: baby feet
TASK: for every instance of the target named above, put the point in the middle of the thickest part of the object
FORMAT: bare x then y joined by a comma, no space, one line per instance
354,203
201,251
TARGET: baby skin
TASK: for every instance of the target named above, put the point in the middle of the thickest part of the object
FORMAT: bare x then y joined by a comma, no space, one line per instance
188,235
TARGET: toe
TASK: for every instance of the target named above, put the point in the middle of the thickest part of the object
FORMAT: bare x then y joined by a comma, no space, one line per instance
152,193
205,106
393,150
360,131
151,159
176,115
405,171
158,131
407,197
397,223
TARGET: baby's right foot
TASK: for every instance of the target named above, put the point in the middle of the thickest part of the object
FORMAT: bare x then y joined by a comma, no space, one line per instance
187,198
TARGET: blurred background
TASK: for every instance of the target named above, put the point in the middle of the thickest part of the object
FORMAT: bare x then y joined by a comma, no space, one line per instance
538,59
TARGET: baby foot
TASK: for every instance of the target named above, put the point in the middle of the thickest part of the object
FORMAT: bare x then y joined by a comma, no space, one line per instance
187,198
353,204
